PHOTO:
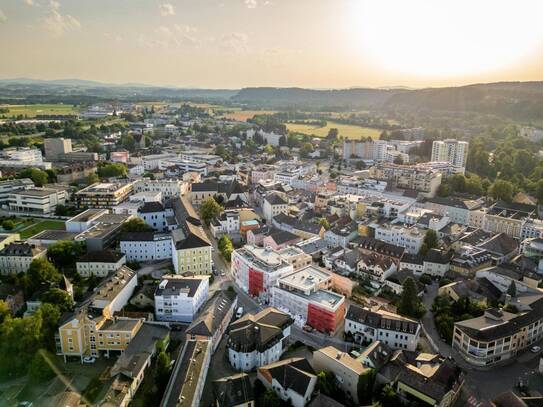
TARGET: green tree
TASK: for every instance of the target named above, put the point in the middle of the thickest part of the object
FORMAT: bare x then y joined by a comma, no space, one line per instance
42,271
502,190
512,290
163,365
324,223
136,225
430,242
364,386
209,210
40,368
64,253
389,397
38,177
398,160
112,170
8,224
226,247
410,303
268,149
5,310
306,149
333,134
58,297
92,178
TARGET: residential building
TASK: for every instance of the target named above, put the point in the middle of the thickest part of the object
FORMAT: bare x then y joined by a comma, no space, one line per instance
437,263
396,331
304,229
56,147
16,257
504,217
419,177
293,380
234,391
227,223
39,201
340,236
100,263
178,299
156,215
411,238
273,205
8,187
168,188
295,256
146,246
256,270
305,294
103,195
456,209
279,239
451,151
255,340
23,157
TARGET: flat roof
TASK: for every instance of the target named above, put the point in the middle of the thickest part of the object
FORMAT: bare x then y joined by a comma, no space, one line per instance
87,215
305,278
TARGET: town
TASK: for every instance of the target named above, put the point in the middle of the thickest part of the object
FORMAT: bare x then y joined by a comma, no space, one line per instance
176,254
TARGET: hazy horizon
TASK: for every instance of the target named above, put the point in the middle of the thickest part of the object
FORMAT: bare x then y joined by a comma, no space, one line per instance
231,44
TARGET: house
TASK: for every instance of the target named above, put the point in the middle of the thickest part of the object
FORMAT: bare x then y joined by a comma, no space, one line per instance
395,281
413,263
436,262
341,235
375,355
144,297
279,239
178,299
227,223
258,339
234,391
376,267
346,369
396,331
100,263
16,257
146,246
155,215
304,229
274,204
292,379
369,245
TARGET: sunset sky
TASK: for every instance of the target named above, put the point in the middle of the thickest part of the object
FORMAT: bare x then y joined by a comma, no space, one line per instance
307,43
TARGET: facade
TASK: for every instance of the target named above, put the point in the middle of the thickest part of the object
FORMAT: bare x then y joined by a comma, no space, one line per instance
56,147
273,205
103,195
146,246
21,157
227,223
100,263
258,339
155,215
8,187
394,330
409,238
178,299
418,177
16,257
305,294
256,270
451,151
168,188
41,201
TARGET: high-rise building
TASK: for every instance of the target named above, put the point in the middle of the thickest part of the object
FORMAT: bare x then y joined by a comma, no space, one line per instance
452,151
55,147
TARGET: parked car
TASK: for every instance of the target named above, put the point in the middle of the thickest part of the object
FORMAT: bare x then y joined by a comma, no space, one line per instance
239,312
89,360
308,328
535,349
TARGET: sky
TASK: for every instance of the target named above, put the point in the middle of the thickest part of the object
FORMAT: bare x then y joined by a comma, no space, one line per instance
305,43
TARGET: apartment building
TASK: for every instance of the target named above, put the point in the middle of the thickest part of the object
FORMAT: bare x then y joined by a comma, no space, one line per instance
39,201
394,330
452,151
56,147
100,263
305,294
16,257
8,187
178,299
256,270
273,205
168,188
457,210
504,217
103,195
146,246
418,177
411,238
156,216
258,339
22,157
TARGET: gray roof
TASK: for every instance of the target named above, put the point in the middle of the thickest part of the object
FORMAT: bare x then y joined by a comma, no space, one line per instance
175,286
213,314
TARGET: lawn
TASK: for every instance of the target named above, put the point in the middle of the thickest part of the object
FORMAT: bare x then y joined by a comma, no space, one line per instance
41,225
33,110
348,131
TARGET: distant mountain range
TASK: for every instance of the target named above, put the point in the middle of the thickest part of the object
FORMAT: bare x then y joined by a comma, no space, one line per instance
517,100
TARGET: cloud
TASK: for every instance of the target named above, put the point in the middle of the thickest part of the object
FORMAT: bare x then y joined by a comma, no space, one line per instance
3,17
29,2
114,38
166,9
171,37
235,42
251,3
57,23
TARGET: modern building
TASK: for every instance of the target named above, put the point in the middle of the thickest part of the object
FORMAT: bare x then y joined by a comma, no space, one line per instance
394,330
146,246
22,157
451,151
178,299
305,294
258,339
100,263
256,270
56,147
39,201
168,188
103,195
411,238
16,257
10,186
419,177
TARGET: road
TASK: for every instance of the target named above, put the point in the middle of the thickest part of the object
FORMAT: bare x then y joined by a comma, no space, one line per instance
483,384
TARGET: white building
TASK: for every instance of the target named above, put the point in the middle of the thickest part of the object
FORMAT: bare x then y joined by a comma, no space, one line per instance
227,223
9,186
178,299
410,238
16,257
168,188
273,205
396,331
22,157
100,263
40,201
146,246
452,151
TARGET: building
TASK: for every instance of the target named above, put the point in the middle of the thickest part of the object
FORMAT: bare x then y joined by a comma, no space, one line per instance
56,147
258,339
39,201
146,246
457,210
396,331
16,257
178,299
419,177
212,322
168,188
305,294
346,369
256,270
228,222
509,218
292,380
103,195
451,151
23,157
234,391
411,238
8,187
273,205
156,215
100,263
85,220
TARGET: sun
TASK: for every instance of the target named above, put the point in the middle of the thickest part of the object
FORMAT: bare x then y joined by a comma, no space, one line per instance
446,37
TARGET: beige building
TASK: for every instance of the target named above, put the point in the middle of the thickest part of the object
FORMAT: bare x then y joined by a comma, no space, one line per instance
16,257
100,263
40,201
103,195
55,147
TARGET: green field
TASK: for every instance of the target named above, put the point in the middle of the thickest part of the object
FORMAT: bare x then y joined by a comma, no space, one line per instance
39,226
347,131
34,110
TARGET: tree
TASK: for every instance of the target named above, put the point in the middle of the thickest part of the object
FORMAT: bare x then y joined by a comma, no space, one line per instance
136,225
282,141
163,364
502,190
38,177
40,368
389,397
41,271
430,242
8,224
306,149
360,165
92,178
512,290
324,223
226,247
410,303
364,388
333,134
112,170
268,149
65,253
58,297
209,210
398,160
5,310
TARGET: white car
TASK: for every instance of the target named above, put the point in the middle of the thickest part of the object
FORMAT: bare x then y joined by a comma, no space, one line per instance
89,360
535,349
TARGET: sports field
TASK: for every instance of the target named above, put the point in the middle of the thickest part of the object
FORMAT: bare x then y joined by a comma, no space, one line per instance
347,131
34,110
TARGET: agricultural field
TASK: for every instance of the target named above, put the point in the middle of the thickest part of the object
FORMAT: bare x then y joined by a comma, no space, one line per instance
244,115
347,131
34,110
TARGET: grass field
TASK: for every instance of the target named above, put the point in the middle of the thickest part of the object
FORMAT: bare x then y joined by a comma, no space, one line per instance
39,226
244,115
347,131
33,110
